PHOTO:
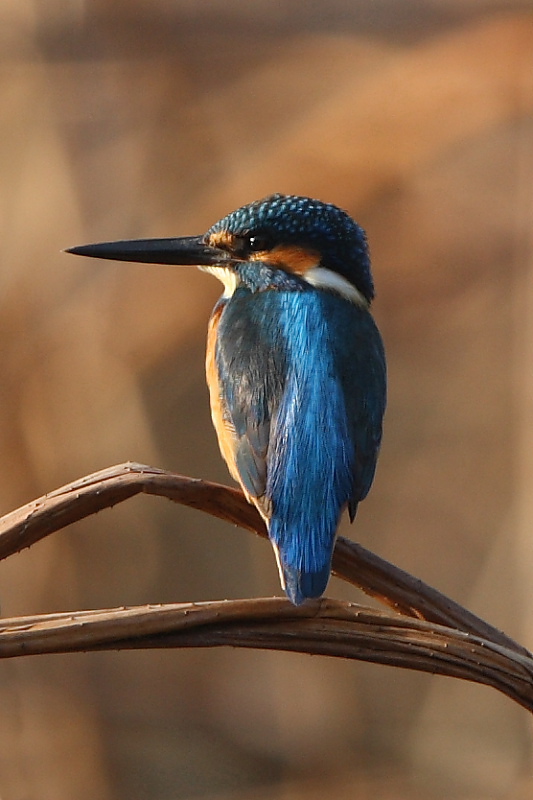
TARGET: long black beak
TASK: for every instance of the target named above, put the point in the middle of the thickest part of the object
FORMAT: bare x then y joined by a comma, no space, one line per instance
186,250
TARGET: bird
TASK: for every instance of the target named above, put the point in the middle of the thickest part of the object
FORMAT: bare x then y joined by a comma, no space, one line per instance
295,367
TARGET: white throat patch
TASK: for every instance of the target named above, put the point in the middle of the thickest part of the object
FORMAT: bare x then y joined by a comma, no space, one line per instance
227,276
319,277
323,278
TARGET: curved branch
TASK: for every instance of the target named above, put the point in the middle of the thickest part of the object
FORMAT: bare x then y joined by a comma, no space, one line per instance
351,562
325,627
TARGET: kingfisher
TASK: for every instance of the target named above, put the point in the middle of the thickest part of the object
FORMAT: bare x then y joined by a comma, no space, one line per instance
295,367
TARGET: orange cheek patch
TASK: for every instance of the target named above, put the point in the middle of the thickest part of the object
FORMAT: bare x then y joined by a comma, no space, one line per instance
291,258
222,239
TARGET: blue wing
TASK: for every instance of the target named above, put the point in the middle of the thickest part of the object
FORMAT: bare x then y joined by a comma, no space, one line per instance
246,367
301,386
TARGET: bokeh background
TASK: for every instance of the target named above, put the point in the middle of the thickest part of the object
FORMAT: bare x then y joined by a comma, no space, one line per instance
138,118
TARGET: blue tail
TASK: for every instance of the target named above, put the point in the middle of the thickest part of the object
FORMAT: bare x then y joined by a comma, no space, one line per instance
304,550
301,586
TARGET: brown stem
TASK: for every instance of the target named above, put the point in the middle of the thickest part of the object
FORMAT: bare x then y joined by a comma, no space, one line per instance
325,627
351,562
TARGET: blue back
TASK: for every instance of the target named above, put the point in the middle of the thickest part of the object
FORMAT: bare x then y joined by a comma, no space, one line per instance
302,374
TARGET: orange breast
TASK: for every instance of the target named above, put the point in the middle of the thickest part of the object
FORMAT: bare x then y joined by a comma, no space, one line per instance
227,439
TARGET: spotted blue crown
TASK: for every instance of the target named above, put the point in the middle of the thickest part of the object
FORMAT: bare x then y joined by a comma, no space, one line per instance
310,223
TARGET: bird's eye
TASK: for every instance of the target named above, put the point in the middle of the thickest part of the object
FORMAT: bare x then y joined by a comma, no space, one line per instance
251,243
258,242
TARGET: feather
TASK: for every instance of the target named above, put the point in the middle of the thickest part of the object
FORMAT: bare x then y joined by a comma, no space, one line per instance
301,379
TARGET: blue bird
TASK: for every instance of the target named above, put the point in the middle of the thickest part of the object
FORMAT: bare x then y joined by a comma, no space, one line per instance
295,367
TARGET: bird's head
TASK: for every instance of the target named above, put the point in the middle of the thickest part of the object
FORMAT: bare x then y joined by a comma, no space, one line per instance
280,235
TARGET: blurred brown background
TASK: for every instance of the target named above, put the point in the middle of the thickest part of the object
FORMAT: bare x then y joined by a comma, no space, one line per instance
155,118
